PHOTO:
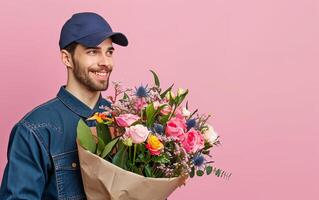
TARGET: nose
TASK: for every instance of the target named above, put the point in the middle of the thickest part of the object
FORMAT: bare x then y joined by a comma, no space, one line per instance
106,62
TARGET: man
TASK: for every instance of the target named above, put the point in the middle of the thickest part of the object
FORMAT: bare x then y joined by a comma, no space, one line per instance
42,154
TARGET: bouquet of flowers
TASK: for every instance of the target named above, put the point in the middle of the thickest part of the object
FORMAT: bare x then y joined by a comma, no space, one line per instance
147,137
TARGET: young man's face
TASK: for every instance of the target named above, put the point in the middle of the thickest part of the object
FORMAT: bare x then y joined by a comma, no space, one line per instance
92,66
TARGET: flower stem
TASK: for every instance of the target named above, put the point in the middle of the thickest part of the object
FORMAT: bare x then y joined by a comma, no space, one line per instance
134,155
130,153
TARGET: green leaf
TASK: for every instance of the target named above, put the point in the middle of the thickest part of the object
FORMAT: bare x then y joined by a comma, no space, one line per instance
108,148
199,172
108,122
141,158
100,146
148,157
156,79
103,132
193,113
150,114
126,96
148,171
121,157
137,170
192,173
85,137
164,119
218,172
206,152
141,148
209,170
167,90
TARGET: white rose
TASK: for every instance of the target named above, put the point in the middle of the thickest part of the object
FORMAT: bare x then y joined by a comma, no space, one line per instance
186,112
210,135
180,91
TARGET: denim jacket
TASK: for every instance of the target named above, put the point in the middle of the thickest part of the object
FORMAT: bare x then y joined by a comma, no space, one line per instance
42,153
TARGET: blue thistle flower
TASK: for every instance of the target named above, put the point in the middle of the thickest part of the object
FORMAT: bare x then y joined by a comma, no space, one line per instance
190,123
141,91
158,128
198,160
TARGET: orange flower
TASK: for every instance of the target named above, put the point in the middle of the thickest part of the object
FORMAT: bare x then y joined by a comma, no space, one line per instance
154,145
99,117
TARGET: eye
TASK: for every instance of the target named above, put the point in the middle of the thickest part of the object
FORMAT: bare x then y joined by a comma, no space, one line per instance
92,52
109,52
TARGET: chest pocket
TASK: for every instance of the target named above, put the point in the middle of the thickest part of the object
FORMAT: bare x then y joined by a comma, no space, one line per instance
68,176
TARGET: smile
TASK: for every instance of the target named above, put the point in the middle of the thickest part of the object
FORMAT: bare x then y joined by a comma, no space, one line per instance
100,75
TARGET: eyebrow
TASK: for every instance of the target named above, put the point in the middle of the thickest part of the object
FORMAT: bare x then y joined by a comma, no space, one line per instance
108,49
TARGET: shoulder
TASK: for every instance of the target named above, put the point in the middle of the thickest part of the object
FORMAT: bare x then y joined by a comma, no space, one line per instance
42,111
38,123
43,116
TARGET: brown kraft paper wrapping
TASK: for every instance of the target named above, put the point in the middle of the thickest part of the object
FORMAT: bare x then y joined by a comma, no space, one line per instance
103,180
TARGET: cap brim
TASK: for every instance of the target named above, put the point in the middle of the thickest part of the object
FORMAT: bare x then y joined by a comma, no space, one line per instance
95,39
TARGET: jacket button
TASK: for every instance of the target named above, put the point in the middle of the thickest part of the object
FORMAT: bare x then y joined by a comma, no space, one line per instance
74,165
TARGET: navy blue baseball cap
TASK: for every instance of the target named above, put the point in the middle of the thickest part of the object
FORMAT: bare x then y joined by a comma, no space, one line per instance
89,29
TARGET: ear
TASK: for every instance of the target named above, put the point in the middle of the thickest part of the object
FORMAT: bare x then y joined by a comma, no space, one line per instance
66,58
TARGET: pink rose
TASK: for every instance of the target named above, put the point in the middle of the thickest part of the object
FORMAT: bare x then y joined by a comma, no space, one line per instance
176,128
137,133
194,141
125,120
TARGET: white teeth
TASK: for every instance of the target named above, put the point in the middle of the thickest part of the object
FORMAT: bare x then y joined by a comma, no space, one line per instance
100,73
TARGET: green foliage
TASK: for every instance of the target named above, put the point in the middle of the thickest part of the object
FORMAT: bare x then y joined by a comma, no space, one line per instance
217,172
85,137
162,159
166,91
125,96
192,173
121,157
103,132
108,148
156,79
148,171
164,119
209,169
100,146
150,115
199,173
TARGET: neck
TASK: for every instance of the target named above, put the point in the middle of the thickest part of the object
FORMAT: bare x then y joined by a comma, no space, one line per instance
88,97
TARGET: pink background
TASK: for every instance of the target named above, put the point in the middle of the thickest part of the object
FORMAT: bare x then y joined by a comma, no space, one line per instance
252,64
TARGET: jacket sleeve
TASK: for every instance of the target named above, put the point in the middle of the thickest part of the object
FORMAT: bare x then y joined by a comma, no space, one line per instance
25,174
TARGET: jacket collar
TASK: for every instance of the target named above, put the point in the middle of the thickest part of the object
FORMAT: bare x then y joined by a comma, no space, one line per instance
77,106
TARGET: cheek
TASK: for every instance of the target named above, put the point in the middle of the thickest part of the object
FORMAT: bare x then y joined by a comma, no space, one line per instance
87,62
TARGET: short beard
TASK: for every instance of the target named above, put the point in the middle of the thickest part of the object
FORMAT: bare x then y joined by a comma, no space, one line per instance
85,80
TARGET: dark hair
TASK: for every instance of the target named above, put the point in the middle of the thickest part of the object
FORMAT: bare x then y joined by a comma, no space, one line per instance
71,48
